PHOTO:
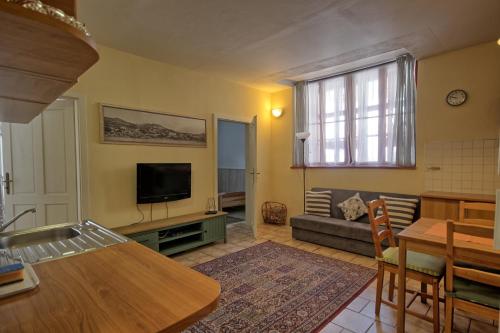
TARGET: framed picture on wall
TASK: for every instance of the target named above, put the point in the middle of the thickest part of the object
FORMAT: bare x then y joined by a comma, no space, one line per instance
121,125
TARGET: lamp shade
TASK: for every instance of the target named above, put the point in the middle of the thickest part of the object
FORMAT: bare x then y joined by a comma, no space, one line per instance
277,112
302,135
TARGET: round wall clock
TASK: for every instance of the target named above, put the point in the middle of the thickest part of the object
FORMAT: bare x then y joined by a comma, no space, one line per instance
456,97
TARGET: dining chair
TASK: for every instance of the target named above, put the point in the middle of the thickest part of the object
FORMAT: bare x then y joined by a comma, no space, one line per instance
426,269
481,208
469,288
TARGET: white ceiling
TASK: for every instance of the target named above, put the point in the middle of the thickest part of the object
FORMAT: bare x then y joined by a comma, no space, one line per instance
262,42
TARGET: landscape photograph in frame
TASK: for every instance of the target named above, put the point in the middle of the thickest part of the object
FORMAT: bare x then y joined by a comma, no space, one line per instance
122,125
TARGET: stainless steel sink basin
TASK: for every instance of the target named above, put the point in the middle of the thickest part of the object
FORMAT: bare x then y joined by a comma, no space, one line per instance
40,237
57,241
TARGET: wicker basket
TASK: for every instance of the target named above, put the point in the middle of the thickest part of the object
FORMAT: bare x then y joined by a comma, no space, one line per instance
274,212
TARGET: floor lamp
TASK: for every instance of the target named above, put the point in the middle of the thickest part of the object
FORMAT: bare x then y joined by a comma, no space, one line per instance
302,136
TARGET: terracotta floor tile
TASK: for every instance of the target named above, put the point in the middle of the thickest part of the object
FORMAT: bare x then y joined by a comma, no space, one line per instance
379,327
387,316
214,252
353,321
204,258
460,324
417,325
331,328
482,327
358,304
474,316
368,293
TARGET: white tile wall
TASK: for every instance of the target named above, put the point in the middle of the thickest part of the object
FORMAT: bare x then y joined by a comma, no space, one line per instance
462,166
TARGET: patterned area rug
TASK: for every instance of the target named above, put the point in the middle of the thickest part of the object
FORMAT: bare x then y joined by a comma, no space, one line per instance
275,288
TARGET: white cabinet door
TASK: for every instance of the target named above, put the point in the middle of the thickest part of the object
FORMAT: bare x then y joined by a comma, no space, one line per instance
40,159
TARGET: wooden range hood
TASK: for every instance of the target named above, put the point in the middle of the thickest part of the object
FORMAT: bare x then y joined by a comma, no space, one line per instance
40,58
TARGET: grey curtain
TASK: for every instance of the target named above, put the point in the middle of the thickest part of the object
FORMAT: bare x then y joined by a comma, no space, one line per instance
300,119
405,111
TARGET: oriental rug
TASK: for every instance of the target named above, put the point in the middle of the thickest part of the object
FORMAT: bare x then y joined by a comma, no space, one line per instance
276,288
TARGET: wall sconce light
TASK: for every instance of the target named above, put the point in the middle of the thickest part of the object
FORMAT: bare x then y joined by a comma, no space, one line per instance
277,112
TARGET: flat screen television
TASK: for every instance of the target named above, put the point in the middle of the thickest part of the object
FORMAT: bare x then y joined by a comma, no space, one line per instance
161,182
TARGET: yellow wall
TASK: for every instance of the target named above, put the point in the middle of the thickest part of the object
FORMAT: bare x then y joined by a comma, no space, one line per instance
474,69
127,80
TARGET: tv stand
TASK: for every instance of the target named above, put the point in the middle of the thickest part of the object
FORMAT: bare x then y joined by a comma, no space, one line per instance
177,234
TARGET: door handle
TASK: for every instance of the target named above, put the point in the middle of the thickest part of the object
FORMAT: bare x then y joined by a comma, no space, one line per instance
254,173
7,181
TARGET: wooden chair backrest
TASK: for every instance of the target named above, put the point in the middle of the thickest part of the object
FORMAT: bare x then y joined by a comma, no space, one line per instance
379,235
453,253
481,209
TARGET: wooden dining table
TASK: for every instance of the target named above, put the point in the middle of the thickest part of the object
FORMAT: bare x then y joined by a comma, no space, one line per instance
428,235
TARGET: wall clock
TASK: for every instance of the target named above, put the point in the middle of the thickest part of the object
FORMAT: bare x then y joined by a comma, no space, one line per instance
456,97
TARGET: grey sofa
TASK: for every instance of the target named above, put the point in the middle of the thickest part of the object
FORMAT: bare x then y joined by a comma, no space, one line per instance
335,231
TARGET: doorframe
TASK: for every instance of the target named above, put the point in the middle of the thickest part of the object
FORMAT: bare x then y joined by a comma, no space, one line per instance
82,160
247,120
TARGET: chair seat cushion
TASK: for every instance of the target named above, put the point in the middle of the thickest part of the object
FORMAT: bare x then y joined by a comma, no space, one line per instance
476,292
417,261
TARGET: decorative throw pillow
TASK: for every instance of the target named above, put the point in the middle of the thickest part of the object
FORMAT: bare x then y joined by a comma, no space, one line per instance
353,208
318,203
400,210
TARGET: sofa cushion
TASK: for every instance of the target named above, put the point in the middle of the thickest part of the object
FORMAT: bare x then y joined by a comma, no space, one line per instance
353,208
400,210
338,227
339,195
318,203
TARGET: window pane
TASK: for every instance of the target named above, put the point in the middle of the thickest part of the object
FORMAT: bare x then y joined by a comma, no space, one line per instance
372,111
313,151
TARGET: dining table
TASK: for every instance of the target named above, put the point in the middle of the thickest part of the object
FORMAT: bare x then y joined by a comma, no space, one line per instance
428,235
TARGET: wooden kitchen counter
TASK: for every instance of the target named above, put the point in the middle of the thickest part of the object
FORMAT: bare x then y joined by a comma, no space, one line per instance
445,205
460,196
122,288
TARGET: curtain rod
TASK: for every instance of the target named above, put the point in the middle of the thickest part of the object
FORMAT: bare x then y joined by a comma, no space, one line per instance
357,69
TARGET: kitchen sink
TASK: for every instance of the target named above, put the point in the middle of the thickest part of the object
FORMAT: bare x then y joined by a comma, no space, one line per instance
57,241
31,238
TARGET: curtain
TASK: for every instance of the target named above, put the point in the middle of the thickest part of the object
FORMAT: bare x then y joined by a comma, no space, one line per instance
300,119
373,115
366,114
405,111
366,117
315,124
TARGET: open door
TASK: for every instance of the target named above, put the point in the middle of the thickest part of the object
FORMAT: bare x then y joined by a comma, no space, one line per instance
251,179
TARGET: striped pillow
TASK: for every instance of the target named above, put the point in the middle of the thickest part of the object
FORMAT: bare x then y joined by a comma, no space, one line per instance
318,203
400,210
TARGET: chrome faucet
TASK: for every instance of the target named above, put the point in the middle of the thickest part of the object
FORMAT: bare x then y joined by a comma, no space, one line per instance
5,225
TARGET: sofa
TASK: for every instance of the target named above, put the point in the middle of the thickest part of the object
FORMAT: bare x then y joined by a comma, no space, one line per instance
338,233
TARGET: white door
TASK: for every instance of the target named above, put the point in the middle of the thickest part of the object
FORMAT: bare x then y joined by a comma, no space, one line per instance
252,174
40,160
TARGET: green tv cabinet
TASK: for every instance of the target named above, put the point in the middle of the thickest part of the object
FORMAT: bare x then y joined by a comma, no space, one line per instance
177,234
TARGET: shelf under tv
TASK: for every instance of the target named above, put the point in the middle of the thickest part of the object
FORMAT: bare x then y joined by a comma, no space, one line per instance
184,235
178,234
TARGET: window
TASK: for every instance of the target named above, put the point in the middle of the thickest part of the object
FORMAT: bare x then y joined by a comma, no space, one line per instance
354,119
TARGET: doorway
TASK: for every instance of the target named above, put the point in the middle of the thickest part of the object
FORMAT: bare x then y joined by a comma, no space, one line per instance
40,167
231,158
236,175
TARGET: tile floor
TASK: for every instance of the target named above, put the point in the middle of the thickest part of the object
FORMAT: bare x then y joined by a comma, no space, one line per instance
359,315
